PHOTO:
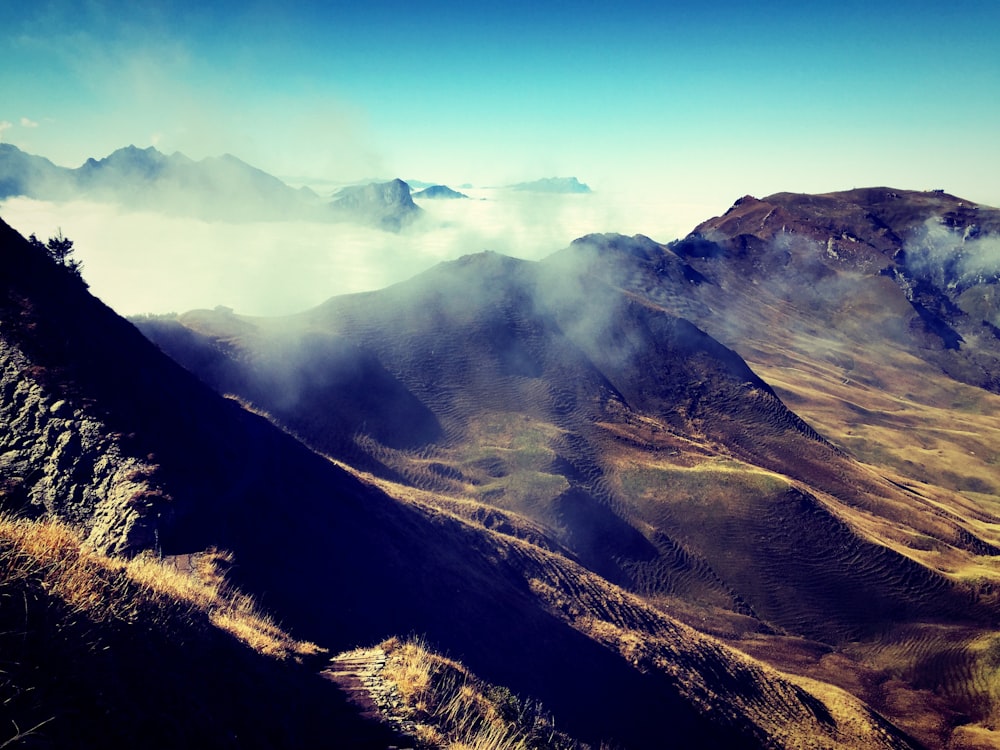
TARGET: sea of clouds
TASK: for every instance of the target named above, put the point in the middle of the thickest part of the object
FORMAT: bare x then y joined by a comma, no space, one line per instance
142,262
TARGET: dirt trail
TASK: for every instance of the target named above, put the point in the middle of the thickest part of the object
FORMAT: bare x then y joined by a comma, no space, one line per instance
359,674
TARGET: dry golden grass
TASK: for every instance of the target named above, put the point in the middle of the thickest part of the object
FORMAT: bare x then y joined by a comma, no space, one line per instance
453,709
902,415
102,588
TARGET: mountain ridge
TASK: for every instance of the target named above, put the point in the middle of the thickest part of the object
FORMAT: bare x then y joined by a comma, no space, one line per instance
222,188
355,563
574,391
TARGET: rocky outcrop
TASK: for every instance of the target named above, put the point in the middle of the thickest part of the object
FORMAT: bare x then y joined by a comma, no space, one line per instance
387,205
57,458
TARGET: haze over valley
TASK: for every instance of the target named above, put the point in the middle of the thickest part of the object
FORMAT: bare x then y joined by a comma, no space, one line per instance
177,251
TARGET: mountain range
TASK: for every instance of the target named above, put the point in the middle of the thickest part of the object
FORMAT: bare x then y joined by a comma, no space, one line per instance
217,188
738,490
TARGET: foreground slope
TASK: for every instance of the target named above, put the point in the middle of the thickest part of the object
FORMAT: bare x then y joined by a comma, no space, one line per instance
104,431
100,652
577,393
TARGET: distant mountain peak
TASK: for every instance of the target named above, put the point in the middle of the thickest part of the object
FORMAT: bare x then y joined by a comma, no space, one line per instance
215,188
388,205
439,192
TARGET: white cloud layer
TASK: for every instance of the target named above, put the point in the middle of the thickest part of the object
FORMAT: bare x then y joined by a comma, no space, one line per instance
142,262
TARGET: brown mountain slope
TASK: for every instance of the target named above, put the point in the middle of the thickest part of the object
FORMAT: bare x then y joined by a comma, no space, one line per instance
102,430
567,391
586,409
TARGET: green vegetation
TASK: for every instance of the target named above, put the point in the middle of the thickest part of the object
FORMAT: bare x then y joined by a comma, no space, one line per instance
59,249
508,457
710,484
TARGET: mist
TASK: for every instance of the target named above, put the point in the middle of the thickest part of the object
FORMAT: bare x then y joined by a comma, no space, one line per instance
953,258
141,261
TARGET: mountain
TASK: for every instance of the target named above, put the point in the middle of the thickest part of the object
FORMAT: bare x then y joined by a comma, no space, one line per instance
939,252
552,185
220,188
387,205
106,433
439,192
25,174
213,188
885,301
632,400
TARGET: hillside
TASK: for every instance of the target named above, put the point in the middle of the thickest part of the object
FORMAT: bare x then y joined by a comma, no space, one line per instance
605,394
100,652
105,432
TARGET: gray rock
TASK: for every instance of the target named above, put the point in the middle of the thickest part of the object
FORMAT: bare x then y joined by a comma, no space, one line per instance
58,459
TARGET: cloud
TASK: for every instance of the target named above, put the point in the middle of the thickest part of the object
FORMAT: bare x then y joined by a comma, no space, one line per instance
4,126
953,258
140,261
26,123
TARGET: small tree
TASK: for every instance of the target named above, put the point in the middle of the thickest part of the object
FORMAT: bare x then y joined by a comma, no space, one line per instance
60,249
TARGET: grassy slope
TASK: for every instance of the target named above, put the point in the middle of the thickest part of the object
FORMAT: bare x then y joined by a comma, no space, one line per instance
673,656
854,362
729,516
106,653
342,562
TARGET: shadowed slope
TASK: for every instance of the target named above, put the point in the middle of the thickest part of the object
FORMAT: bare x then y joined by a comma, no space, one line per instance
568,391
339,561
564,399
102,653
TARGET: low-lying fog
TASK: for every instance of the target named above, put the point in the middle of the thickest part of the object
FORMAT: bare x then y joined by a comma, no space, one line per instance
143,262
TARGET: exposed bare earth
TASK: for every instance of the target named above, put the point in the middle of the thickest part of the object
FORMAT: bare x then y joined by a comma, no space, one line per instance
359,674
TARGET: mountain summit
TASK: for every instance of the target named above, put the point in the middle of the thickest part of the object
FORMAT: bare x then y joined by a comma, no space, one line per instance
552,185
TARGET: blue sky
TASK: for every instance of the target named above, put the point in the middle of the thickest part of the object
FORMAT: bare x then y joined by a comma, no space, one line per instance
700,101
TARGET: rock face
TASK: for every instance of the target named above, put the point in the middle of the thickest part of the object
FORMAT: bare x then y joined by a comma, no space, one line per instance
387,205
59,458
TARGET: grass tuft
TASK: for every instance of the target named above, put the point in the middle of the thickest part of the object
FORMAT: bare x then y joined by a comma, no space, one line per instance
454,709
